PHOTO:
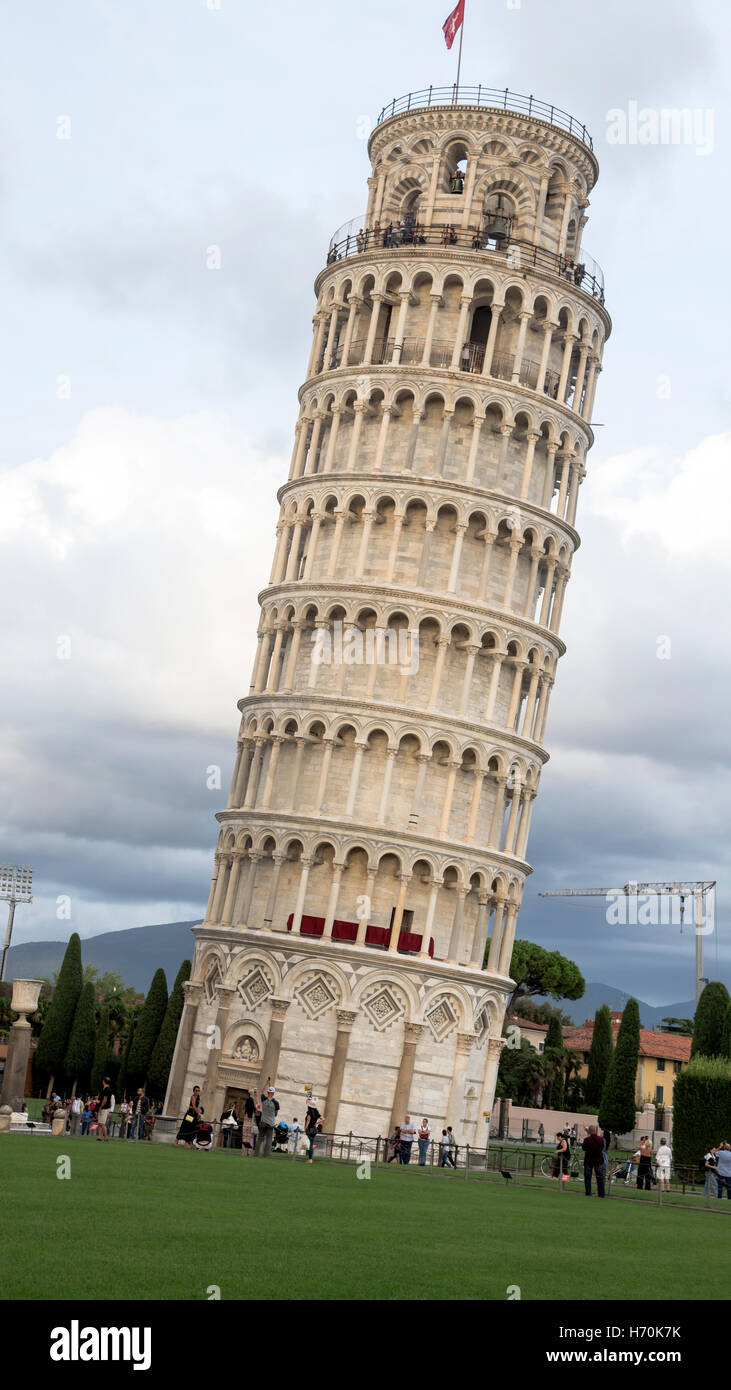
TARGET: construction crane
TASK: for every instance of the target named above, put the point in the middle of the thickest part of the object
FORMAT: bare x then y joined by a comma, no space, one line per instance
696,892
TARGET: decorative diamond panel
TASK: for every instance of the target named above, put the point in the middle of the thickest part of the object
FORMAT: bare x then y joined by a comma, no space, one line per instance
441,1019
255,988
383,1008
316,994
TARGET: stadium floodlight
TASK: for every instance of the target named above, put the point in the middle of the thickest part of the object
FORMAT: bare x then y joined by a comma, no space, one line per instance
15,887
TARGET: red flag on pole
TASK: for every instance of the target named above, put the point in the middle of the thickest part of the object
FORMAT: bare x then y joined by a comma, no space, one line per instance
453,23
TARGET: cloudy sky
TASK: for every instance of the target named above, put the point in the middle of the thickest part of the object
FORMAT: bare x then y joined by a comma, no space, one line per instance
149,403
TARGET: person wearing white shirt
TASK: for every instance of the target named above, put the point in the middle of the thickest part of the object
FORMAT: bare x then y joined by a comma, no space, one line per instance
423,1135
408,1133
295,1131
664,1159
76,1108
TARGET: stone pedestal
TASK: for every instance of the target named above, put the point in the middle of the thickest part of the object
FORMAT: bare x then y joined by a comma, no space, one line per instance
6,1114
24,1001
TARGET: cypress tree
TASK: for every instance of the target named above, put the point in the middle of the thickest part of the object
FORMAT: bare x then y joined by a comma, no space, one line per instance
148,1027
80,1049
123,1084
600,1055
99,1069
56,1030
709,1024
618,1104
162,1053
727,1034
553,1051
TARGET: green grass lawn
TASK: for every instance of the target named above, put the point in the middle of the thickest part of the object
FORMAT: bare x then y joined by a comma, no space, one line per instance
148,1221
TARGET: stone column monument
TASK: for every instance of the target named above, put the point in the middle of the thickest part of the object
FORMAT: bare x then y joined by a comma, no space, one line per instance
371,860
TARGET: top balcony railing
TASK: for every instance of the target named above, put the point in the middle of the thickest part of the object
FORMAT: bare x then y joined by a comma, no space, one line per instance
355,239
495,97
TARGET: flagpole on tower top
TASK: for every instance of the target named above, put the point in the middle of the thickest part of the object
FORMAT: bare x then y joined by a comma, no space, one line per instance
452,23
459,56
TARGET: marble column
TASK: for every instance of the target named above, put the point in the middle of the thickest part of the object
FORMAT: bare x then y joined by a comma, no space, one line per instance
274,1042
346,1018
455,1104
400,1107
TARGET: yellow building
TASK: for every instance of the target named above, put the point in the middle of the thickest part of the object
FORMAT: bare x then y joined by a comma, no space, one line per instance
662,1058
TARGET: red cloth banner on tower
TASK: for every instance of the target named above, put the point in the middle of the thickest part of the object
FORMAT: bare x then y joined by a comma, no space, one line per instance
452,24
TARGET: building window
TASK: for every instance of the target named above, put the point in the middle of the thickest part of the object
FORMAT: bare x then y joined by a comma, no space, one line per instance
586,1056
659,1093
677,1068
660,1063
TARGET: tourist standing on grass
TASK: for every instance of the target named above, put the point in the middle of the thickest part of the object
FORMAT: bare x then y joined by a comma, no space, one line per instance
444,1158
723,1170
105,1106
85,1118
191,1117
644,1169
396,1145
295,1132
314,1127
594,1161
267,1122
664,1164
453,1147
247,1128
710,1187
408,1134
561,1157
422,1139
139,1111
76,1109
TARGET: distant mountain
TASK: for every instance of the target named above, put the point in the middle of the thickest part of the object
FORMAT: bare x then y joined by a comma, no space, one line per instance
136,954
597,994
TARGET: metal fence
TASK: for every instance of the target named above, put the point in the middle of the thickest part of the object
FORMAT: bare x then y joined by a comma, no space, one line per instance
355,239
501,98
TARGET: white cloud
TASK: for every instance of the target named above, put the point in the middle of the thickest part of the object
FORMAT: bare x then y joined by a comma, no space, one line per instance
144,542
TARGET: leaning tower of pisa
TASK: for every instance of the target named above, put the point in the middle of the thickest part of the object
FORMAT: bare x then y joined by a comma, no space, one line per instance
371,860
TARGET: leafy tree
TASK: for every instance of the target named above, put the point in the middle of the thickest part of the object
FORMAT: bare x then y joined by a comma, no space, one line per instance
554,1054
540,1013
537,971
54,1038
162,1053
148,1027
576,1095
513,1062
709,1024
80,1049
617,1107
683,1027
701,1108
535,1076
600,1055
99,1068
